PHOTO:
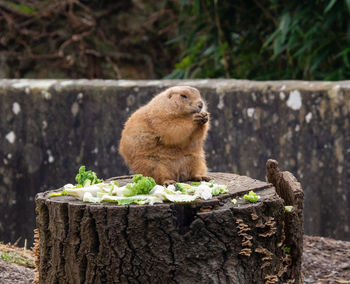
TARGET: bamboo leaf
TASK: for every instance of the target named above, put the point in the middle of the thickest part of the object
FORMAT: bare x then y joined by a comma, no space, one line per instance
284,26
329,6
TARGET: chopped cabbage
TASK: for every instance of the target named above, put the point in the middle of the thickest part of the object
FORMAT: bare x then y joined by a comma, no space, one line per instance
142,190
89,198
139,185
86,178
251,197
288,209
140,199
184,187
79,192
203,191
180,197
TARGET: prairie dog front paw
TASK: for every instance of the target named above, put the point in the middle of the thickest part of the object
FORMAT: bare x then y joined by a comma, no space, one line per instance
168,182
200,178
201,117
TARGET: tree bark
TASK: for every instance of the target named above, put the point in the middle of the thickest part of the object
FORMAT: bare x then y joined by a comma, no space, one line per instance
213,241
289,189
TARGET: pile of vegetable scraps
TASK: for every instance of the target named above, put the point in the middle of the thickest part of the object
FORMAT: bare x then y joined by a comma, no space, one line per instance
142,190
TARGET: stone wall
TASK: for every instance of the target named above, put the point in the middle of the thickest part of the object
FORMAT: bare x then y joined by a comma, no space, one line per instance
48,128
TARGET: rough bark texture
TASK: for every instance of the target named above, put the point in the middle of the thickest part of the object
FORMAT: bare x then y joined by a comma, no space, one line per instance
212,241
289,189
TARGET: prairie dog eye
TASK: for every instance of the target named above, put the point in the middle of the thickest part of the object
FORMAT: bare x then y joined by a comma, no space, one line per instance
183,96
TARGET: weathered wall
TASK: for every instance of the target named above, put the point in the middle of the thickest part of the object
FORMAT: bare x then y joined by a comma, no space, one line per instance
49,128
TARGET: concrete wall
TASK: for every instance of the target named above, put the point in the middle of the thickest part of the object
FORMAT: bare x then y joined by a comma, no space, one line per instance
49,128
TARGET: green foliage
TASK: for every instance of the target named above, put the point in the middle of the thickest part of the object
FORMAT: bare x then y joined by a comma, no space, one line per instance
86,39
86,178
264,40
250,39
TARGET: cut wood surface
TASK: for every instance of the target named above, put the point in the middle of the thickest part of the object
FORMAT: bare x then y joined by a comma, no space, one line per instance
206,241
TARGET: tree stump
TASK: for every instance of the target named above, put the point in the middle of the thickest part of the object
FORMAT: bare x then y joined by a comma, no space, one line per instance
213,241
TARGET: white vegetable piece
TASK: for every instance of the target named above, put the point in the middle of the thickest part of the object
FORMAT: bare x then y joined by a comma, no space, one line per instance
116,198
158,191
203,191
69,185
79,192
153,199
119,190
89,198
180,197
135,199
107,187
171,194
172,190
171,187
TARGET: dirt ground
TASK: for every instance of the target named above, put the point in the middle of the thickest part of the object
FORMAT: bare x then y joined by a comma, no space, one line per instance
325,261
14,273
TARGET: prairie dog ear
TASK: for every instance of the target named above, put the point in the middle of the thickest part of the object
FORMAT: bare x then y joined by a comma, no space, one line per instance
170,95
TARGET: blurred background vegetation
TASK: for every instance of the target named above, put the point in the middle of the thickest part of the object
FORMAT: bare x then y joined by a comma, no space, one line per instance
250,39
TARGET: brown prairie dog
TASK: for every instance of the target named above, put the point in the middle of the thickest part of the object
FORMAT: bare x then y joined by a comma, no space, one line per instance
164,139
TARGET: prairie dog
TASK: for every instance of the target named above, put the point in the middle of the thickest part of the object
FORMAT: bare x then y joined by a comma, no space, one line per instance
164,138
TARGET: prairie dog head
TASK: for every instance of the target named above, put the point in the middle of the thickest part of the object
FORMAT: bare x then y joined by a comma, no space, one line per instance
183,100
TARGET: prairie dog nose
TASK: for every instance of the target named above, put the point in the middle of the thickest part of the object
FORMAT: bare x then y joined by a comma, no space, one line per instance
200,105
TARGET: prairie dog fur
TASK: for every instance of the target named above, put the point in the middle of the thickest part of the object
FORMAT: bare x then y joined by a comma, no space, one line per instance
164,138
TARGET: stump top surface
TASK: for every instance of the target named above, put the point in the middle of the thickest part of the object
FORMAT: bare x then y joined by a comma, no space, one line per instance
237,186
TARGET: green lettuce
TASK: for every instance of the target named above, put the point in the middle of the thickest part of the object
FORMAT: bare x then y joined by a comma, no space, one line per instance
218,189
139,185
185,188
251,197
63,192
288,209
86,178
